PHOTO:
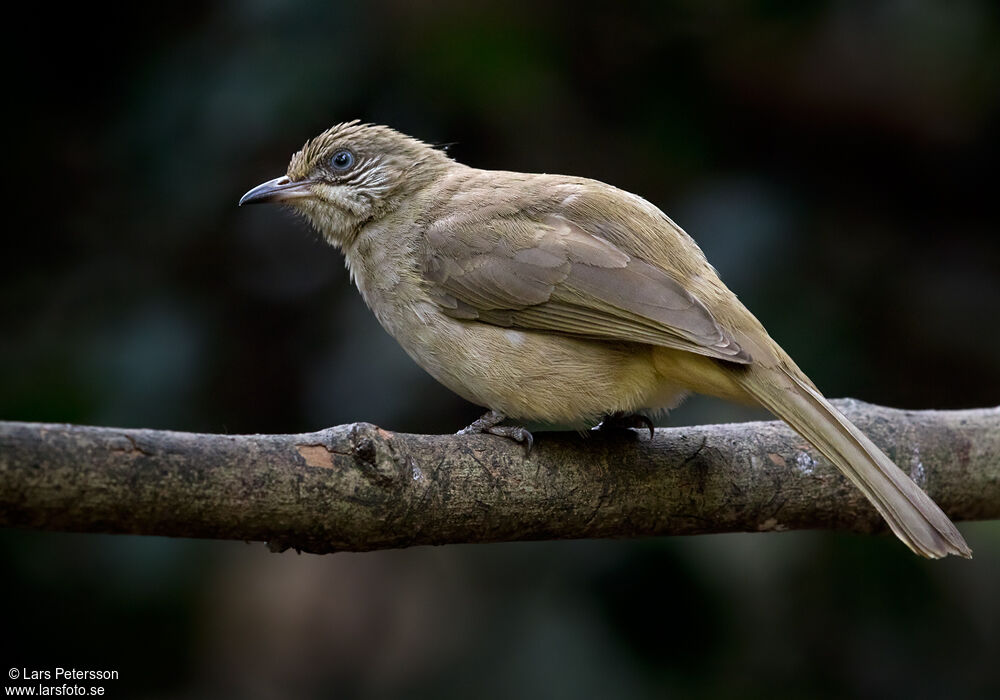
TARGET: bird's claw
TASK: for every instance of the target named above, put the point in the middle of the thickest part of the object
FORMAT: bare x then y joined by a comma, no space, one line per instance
490,424
516,433
624,421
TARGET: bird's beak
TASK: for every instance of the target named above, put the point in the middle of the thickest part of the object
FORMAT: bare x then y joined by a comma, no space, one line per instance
280,189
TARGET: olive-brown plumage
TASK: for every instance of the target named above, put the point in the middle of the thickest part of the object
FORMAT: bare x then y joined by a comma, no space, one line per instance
562,299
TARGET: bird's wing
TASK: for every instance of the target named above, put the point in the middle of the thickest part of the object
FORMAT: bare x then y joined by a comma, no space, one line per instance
549,274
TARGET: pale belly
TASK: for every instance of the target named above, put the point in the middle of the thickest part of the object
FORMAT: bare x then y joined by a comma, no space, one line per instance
534,376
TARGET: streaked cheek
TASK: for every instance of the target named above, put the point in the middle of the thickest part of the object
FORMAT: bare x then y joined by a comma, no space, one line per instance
341,197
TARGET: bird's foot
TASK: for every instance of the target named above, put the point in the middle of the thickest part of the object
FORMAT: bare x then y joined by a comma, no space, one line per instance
623,421
490,423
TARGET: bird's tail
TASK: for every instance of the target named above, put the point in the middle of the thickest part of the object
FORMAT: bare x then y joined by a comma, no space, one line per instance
912,515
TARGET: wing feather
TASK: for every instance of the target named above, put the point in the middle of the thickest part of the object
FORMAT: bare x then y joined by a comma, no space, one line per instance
551,275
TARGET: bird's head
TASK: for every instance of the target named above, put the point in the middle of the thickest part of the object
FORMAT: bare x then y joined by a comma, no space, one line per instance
350,175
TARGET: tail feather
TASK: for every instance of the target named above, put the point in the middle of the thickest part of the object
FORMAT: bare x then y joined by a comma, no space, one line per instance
910,512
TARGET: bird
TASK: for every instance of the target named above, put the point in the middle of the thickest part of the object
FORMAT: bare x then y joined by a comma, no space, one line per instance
563,300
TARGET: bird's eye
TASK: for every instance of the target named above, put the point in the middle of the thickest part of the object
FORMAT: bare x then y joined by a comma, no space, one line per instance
342,160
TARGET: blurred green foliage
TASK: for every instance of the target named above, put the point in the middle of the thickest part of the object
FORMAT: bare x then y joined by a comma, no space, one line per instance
834,159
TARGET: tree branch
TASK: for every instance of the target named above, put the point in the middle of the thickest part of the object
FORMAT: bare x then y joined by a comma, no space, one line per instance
358,487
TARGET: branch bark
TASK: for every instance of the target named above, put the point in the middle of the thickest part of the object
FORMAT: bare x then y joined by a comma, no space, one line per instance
358,487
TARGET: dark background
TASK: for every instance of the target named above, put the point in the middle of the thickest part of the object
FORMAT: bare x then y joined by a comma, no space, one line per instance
836,161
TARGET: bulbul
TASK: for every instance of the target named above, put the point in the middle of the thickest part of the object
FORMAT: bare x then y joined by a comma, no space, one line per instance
564,300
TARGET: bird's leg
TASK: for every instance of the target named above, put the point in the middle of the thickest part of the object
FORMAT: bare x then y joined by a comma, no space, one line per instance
490,423
620,420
